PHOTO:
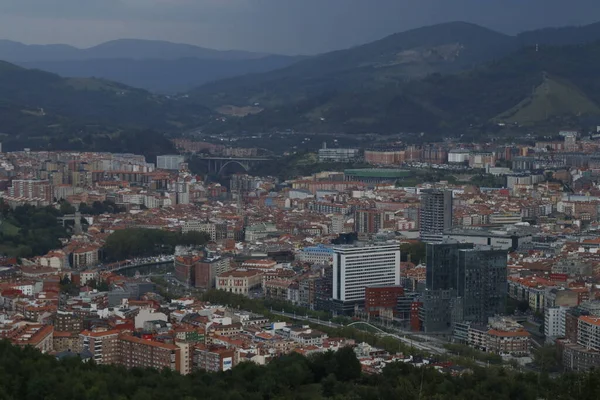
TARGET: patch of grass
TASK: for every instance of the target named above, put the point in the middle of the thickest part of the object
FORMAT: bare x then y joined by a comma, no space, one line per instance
8,229
552,98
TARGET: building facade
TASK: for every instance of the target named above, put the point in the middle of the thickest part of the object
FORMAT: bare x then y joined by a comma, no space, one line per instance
337,155
464,283
103,344
319,254
213,359
382,299
239,281
358,267
141,353
170,162
435,215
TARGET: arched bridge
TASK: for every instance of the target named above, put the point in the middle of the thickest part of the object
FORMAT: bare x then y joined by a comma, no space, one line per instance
219,164
378,330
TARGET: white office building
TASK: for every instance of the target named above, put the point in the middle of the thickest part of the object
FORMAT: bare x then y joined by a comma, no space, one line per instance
554,322
357,267
338,155
171,162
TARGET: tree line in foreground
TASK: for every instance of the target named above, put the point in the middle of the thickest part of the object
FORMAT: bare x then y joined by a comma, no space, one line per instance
25,373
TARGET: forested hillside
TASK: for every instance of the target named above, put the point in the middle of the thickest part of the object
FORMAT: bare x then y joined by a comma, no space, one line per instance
527,87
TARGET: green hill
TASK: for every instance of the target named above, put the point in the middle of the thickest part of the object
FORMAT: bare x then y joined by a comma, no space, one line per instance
43,110
552,98
450,103
90,100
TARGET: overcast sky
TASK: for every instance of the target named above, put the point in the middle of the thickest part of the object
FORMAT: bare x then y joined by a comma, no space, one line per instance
278,26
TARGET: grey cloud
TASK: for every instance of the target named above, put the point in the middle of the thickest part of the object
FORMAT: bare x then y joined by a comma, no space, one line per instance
289,26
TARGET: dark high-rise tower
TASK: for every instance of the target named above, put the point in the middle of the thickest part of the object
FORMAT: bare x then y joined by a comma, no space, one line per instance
464,283
435,215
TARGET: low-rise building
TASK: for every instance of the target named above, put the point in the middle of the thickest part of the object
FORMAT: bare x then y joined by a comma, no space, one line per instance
316,255
575,357
34,335
508,342
239,281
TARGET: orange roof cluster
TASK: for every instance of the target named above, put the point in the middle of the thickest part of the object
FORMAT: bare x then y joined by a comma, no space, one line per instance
133,339
590,320
237,273
97,334
519,333
532,281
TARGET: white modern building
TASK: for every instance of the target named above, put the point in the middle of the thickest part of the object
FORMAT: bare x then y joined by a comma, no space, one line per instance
458,156
358,267
171,162
554,322
338,155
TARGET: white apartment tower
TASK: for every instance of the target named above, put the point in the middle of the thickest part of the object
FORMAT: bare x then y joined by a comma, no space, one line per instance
358,267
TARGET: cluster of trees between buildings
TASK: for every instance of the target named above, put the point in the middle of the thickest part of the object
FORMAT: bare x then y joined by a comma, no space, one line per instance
27,231
25,373
138,242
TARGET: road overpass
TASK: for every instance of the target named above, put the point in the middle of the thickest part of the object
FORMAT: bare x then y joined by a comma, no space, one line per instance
219,164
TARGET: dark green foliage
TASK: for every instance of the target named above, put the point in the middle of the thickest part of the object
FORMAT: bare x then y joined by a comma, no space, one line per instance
28,231
66,208
470,352
348,366
488,181
416,251
103,207
25,373
41,110
131,243
67,286
547,358
90,100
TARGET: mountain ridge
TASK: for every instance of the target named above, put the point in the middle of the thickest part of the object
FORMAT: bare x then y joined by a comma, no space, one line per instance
158,66
450,103
443,48
119,48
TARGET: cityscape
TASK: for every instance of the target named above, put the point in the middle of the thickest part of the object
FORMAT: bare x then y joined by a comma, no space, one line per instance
269,200
508,271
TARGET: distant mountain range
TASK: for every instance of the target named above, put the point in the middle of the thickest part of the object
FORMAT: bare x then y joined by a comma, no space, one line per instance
394,84
440,79
135,49
148,64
